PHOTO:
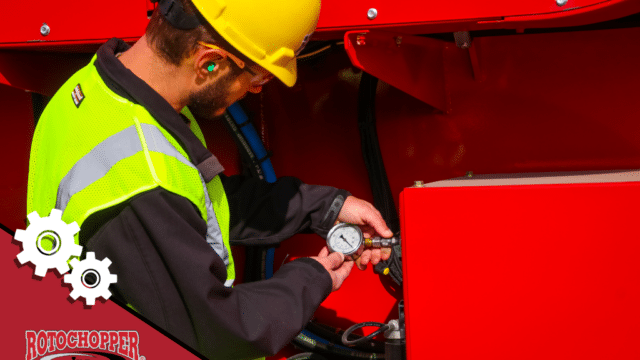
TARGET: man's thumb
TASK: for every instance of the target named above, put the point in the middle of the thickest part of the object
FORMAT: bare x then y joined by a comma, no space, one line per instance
335,259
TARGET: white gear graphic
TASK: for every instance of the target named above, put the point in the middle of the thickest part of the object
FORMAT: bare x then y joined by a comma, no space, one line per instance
58,237
90,278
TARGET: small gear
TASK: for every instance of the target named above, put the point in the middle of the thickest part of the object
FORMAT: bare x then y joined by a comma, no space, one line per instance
90,278
48,242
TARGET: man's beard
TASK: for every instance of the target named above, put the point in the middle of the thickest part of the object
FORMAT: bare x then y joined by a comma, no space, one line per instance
208,102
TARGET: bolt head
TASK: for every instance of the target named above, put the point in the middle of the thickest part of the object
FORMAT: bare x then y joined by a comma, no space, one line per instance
561,2
372,14
45,29
418,183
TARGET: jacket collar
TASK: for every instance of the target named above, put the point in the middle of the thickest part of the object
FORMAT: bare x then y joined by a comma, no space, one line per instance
126,84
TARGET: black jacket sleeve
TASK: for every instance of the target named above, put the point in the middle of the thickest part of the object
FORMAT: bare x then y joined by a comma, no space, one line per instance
169,274
268,213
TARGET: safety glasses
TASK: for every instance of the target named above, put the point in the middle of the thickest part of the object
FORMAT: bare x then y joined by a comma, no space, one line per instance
258,77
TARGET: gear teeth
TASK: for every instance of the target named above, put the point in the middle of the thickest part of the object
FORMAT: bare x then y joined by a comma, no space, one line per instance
106,294
45,260
23,258
73,228
76,250
33,217
74,295
55,214
62,269
101,289
20,235
41,271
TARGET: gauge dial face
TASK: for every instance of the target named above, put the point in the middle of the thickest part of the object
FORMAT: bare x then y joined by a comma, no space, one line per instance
345,238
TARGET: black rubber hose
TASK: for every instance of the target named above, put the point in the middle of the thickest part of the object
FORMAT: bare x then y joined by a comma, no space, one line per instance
382,328
334,335
382,195
332,351
307,356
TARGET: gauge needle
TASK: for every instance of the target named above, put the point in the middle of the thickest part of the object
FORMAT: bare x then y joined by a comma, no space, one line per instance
345,240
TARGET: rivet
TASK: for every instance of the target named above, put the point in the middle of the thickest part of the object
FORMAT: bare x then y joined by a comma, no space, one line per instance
469,174
372,13
418,183
561,2
45,29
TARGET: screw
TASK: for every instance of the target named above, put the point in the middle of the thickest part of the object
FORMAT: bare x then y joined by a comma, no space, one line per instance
561,2
418,183
398,40
360,39
372,13
45,29
469,174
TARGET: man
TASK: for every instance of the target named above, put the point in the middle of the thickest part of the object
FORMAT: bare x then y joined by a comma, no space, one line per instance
119,151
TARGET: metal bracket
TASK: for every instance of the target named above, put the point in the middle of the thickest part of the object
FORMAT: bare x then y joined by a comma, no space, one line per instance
412,64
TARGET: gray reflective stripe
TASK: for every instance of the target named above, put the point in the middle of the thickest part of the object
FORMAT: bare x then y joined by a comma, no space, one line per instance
97,163
157,142
214,235
94,165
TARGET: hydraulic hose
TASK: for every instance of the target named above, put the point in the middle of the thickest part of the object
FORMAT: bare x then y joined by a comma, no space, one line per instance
345,335
382,195
307,356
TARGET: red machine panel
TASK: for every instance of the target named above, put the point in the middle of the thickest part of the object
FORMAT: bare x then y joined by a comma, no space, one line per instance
37,23
44,23
498,269
428,17
356,13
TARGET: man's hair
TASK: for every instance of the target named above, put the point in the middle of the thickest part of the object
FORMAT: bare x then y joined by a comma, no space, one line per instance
175,45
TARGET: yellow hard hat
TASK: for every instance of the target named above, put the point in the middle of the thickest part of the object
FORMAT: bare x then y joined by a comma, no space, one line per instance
271,33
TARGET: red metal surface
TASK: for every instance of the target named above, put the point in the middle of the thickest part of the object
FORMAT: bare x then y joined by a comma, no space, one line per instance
41,72
16,131
71,20
74,21
354,13
429,17
522,272
411,63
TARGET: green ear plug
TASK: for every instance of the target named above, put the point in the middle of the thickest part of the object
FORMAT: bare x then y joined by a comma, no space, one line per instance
211,67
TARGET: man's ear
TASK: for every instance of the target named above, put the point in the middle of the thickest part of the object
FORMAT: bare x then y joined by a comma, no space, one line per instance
208,61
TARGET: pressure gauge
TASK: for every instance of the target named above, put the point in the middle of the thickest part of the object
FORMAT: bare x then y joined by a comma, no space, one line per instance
347,239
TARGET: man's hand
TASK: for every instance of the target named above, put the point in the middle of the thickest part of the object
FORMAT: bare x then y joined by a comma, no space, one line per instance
335,265
359,212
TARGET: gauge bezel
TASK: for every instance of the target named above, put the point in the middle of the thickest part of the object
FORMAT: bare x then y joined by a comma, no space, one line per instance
360,246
